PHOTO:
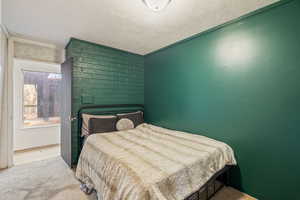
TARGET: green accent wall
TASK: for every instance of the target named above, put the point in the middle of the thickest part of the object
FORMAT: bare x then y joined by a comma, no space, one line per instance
103,75
240,84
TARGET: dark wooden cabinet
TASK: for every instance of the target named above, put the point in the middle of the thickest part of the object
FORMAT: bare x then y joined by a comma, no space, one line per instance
66,108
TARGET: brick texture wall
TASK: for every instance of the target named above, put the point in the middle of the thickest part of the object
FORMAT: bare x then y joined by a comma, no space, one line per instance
103,75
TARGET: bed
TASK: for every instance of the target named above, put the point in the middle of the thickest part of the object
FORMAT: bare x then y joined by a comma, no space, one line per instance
151,163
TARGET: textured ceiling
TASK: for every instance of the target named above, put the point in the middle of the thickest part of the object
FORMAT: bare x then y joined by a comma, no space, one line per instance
123,24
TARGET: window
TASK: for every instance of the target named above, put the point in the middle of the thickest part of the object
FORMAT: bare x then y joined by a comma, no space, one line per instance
41,93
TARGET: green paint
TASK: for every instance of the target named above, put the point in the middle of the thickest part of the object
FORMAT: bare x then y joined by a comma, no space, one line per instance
240,84
103,75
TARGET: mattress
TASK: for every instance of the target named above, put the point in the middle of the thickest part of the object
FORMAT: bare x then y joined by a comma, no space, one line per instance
150,163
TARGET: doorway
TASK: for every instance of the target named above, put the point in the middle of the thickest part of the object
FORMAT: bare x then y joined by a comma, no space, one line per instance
36,110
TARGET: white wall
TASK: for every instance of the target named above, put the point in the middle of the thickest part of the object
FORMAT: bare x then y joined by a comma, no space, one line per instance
1,54
0,11
3,63
4,161
2,60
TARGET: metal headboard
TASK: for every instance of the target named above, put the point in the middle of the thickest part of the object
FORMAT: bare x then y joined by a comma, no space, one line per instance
141,106
113,106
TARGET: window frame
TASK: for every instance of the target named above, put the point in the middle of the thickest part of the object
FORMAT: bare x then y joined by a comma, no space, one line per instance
21,65
23,106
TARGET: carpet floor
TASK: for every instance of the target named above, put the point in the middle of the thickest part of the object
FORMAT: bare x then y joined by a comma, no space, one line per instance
52,180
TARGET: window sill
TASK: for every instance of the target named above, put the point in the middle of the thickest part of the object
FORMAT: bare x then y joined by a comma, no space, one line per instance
42,126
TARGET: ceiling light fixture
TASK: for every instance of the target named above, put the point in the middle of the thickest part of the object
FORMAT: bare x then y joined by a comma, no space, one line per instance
157,5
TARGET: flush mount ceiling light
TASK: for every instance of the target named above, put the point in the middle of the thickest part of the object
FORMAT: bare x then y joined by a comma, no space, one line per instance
157,5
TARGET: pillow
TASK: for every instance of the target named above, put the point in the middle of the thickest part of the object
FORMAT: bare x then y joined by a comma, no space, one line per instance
102,125
124,124
136,117
85,130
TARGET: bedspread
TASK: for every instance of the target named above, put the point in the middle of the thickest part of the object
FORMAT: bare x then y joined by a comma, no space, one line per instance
150,163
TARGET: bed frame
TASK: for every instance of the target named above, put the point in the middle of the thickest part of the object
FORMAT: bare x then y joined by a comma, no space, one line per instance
212,186
206,192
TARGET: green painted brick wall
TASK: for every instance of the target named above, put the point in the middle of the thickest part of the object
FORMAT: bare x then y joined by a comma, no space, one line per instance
103,75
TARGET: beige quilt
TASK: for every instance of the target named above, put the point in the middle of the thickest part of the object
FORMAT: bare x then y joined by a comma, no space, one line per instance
150,163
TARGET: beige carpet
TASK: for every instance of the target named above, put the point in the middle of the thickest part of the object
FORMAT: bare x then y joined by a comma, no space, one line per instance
53,180
42,180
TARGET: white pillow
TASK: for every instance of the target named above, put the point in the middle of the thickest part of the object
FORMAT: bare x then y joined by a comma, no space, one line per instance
124,124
